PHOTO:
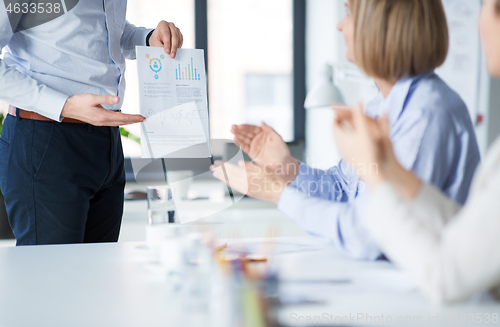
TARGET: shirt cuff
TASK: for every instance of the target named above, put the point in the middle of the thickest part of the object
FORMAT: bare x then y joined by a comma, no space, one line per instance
148,36
435,208
428,194
142,34
51,103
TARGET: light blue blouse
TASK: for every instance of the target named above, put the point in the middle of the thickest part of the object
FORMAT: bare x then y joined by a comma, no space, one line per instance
432,135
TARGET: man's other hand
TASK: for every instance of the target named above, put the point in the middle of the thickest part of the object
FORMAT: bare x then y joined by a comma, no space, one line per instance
88,108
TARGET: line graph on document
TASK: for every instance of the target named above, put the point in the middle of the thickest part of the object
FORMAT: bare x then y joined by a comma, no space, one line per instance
180,117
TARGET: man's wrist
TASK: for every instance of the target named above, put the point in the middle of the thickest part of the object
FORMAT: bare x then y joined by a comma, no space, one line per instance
148,37
65,108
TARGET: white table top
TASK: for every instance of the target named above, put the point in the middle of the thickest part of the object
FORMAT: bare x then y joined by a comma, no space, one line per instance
377,289
78,285
109,285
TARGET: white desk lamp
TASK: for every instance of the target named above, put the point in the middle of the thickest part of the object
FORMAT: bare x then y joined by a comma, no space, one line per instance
325,93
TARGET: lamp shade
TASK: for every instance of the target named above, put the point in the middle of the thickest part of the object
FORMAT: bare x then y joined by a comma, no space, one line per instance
325,93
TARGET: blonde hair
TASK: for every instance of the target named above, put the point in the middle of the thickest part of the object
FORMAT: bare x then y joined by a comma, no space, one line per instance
397,38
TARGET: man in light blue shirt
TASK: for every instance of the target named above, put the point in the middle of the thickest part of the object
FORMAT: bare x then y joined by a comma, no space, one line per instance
61,161
432,134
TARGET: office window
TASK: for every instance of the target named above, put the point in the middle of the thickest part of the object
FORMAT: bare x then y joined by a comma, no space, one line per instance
268,97
250,64
148,14
255,60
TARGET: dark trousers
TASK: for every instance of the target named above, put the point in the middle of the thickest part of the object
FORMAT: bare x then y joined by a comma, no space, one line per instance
63,183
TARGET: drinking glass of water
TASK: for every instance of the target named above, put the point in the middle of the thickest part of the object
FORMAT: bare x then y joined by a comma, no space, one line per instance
161,206
161,218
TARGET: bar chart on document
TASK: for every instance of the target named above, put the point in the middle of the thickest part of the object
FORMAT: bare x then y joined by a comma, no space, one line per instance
173,98
188,70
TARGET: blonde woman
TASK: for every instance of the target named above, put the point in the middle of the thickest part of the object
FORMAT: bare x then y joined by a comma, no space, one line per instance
452,251
399,44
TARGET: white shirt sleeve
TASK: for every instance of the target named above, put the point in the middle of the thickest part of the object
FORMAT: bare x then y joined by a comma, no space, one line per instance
133,36
338,223
452,253
23,91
